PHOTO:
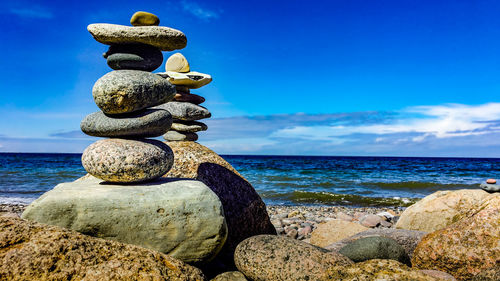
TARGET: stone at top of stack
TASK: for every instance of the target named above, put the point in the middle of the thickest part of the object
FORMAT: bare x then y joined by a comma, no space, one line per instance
126,97
185,108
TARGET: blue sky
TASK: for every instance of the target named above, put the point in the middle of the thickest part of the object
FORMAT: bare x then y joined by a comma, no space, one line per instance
351,77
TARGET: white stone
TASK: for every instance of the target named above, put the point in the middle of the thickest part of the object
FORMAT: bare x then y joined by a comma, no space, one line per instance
177,63
192,79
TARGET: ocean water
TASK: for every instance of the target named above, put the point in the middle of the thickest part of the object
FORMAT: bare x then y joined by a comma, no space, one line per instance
287,180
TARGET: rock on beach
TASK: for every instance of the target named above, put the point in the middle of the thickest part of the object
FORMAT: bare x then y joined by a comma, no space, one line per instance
333,231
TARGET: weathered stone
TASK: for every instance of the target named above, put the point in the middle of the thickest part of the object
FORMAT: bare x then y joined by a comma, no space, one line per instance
269,257
121,160
185,111
375,270
178,217
33,251
188,126
408,239
161,37
192,79
180,136
370,220
490,187
141,18
374,247
442,209
187,97
438,274
245,212
333,231
140,124
490,274
177,63
124,91
230,276
465,248
133,56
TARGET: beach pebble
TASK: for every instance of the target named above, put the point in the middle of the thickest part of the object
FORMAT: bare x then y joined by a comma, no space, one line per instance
291,232
180,136
124,91
188,126
375,247
141,124
133,56
123,161
384,223
370,220
333,231
385,215
344,216
230,276
141,18
491,181
177,63
185,111
161,37
490,187
187,97
438,274
192,79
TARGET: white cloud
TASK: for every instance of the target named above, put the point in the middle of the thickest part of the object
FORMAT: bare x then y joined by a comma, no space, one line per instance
196,10
37,12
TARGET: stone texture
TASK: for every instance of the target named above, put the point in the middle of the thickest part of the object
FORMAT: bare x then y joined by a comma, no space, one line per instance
333,231
133,56
490,187
181,218
185,111
375,247
142,124
230,276
408,239
161,37
442,208
187,97
490,274
188,126
192,79
245,212
376,270
141,18
270,257
124,91
438,274
370,220
180,136
177,63
465,248
121,160
33,251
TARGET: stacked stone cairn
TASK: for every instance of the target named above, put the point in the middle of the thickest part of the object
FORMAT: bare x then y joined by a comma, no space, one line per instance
185,108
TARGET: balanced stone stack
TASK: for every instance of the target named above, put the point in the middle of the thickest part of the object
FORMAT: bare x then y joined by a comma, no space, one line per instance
185,108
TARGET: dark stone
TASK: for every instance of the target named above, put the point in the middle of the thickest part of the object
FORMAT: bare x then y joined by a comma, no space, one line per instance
187,97
134,56
185,111
375,247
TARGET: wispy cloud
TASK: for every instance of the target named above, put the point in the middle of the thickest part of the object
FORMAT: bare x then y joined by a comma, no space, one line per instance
33,11
70,134
200,12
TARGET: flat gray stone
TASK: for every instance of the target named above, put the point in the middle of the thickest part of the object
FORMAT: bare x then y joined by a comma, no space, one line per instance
490,187
185,111
161,37
148,123
188,126
179,217
375,247
125,91
133,56
126,161
180,136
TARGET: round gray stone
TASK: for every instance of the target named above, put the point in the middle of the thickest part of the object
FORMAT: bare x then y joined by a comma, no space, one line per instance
147,123
375,247
133,56
188,126
161,37
186,111
124,91
180,136
125,161
490,187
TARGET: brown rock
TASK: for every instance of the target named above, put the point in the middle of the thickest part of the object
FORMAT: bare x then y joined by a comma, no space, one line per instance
333,231
490,274
141,18
230,276
491,181
33,251
186,97
269,257
344,216
370,220
438,274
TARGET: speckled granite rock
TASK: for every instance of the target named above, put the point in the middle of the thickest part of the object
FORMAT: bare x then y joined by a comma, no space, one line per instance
180,136
142,124
333,231
270,257
187,97
33,251
377,269
408,239
192,79
465,248
161,37
124,91
375,247
438,274
442,208
245,212
185,111
120,160
188,126
490,274
178,217
141,18
230,276
133,56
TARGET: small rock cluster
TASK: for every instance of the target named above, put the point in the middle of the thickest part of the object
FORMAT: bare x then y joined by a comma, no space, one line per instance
185,108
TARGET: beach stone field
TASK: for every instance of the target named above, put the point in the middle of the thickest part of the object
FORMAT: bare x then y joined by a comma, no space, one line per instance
176,210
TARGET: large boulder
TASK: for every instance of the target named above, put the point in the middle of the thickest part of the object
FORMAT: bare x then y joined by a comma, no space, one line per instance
270,257
375,247
333,231
465,248
245,212
181,218
33,251
442,209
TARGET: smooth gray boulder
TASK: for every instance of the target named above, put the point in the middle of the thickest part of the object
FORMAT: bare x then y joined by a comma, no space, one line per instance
375,247
185,111
179,217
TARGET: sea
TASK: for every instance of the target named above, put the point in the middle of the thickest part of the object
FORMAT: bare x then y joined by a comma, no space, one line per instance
284,180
